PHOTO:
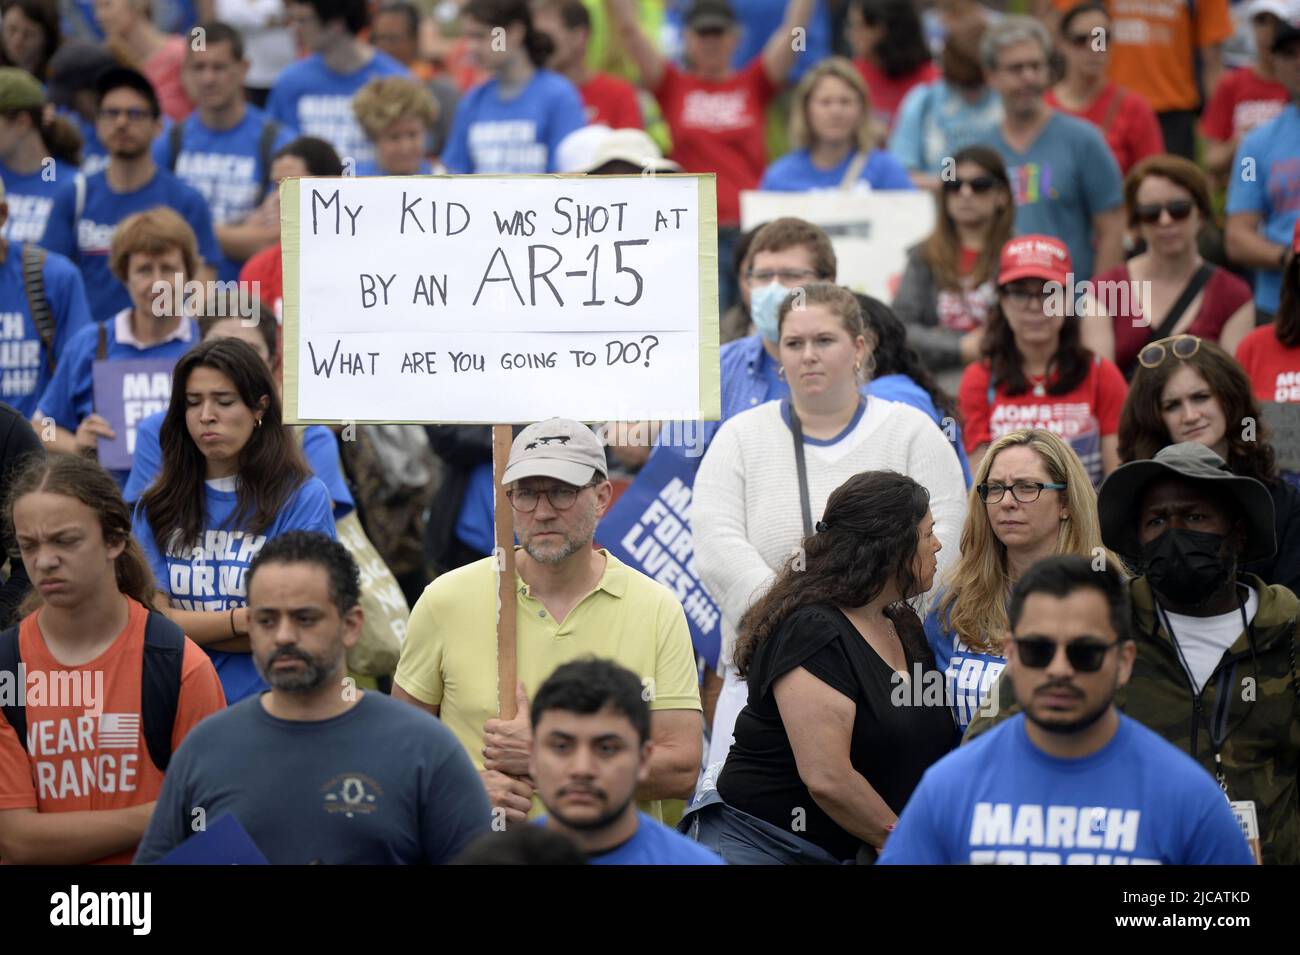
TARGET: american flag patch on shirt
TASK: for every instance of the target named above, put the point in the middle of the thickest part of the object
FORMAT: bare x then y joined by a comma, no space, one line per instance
119,730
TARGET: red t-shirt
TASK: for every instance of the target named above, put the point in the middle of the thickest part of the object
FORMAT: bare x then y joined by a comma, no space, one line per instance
1130,126
718,128
93,756
1090,408
611,102
1222,296
1242,101
267,269
887,92
1274,370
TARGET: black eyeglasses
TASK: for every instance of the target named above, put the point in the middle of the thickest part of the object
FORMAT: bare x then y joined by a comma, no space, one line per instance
132,114
765,276
1080,40
560,496
1085,656
1180,346
1026,492
1178,209
1025,297
978,185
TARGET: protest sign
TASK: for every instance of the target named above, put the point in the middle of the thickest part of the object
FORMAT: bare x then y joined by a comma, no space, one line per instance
491,300
870,232
127,392
1283,420
649,528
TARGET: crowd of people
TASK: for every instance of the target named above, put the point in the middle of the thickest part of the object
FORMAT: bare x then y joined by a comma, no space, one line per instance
1007,567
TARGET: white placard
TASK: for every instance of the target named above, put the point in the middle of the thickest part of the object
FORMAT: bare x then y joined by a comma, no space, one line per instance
499,300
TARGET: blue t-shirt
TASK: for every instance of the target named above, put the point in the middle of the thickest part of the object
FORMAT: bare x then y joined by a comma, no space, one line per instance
1067,176
795,172
653,844
225,166
518,135
759,19
935,121
1273,191
211,575
382,783
1003,801
968,674
70,396
475,524
310,97
87,241
371,168
24,359
905,391
31,198
318,446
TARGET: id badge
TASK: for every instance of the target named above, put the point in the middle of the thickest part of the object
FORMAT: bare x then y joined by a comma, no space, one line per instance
1244,810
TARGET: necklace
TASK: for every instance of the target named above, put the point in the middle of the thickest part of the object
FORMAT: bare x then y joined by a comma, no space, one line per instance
1038,383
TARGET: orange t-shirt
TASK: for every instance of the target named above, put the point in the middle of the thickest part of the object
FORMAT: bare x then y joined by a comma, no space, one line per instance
92,754
1151,45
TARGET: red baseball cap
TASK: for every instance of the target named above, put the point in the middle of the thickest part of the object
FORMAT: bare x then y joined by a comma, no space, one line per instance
1034,257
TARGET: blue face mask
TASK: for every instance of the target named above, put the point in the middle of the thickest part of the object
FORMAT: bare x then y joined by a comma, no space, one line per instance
764,303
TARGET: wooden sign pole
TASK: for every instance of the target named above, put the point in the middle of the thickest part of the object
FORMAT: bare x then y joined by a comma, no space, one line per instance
507,670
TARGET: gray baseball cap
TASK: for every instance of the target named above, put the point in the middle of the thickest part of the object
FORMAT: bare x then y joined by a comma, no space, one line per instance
1120,497
557,448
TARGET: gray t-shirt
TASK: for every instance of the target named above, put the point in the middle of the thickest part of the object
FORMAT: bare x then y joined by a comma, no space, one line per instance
383,783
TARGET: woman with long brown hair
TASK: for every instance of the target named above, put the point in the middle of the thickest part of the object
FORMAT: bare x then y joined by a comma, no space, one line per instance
833,734
948,291
1189,389
232,478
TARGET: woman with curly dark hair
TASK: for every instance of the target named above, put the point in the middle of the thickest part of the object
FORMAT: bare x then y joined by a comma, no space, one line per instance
1189,389
832,736
890,51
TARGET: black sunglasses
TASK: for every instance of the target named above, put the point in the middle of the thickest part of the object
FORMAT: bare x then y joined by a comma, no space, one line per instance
979,185
1178,209
1085,655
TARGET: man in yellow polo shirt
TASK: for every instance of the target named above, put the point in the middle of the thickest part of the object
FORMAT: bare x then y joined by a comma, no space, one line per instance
573,601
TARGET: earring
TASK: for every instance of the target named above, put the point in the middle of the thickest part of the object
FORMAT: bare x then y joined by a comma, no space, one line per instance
857,367
780,372
259,423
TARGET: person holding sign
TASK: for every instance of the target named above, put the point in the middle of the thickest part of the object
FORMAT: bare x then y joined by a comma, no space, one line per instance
232,478
80,768
152,251
515,122
397,115
1271,358
573,600
1189,389
752,490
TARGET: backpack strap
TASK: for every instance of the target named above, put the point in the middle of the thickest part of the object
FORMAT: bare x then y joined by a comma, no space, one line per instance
160,685
266,143
101,346
174,138
34,283
16,715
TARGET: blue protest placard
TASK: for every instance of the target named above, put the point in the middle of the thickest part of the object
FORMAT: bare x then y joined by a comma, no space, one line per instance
126,392
225,842
649,528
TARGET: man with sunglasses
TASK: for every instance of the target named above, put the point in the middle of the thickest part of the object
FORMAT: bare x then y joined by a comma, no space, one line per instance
1215,670
1069,780
1264,184
88,209
573,600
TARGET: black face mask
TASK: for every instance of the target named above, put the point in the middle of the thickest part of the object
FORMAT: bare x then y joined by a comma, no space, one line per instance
1187,567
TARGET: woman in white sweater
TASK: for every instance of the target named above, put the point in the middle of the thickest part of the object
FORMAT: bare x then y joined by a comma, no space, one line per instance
747,514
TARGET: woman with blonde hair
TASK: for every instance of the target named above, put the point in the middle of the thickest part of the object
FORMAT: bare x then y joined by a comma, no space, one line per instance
833,137
397,114
1032,499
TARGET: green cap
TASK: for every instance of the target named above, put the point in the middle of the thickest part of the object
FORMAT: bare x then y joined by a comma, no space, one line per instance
19,90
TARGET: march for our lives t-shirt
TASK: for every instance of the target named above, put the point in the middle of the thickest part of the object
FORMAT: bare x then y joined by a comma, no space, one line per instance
517,135
311,98
24,362
87,241
968,674
795,172
1066,176
30,199
1272,154
319,447
654,844
225,166
211,575
1003,801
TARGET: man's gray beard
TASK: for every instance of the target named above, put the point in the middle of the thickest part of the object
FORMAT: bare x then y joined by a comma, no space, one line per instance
570,548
